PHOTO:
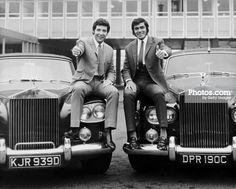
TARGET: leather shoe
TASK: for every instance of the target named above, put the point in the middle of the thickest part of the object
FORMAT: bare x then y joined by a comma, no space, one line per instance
162,143
110,144
72,134
133,144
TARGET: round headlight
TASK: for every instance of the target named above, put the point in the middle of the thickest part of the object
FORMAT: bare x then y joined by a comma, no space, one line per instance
84,134
171,115
99,111
86,113
151,116
233,115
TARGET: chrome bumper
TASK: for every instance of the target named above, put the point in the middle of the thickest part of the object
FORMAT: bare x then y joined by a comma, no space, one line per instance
173,150
67,150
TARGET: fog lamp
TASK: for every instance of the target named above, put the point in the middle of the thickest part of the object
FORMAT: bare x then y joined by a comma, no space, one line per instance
151,135
84,134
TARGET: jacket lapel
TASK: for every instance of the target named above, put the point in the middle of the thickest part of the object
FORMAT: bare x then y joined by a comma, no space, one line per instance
93,46
148,45
134,52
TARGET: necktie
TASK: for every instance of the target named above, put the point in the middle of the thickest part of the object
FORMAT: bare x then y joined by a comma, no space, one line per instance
100,63
140,56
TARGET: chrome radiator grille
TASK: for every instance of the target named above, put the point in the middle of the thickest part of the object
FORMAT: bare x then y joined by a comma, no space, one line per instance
33,123
204,125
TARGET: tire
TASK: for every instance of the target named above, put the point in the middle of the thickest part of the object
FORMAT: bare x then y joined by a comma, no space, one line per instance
145,163
98,165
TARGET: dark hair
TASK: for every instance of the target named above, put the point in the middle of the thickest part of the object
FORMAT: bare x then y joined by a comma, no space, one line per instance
137,21
101,22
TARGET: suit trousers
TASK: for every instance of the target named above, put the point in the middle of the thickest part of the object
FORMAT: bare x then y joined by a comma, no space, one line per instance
147,87
95,87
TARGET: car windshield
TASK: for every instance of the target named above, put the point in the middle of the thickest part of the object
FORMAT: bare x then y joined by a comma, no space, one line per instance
190,64
35,69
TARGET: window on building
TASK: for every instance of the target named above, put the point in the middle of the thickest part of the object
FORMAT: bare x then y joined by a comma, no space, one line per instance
43,8
28,8
14,8
162,7
192,7
131,8
116,8
234,7
145,8
177,7
72,8
207,7
2,9
102,8
87,8
223,7
57,8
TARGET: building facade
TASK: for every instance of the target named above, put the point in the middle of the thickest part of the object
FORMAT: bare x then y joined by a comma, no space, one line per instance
69,19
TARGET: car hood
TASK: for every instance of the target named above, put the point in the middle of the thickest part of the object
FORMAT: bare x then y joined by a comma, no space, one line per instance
33,89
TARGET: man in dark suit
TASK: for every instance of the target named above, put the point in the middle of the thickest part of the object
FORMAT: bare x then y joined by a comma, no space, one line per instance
95,74
142,72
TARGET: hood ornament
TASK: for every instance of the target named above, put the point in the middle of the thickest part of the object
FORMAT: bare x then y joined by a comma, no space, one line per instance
204,80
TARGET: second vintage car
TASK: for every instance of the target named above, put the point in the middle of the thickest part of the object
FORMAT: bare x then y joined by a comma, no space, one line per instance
202,121
35,105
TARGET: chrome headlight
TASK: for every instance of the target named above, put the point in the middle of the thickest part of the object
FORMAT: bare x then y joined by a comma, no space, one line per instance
99,111
86,114
233,114
93,112
151,116
171,115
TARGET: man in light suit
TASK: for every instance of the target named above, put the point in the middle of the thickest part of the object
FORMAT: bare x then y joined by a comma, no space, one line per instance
95,74
142,72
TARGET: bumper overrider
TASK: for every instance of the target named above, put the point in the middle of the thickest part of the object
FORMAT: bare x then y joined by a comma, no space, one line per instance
55,157
184,155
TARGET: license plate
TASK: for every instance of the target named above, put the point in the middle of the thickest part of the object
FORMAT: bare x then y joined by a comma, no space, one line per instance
34,161
204,159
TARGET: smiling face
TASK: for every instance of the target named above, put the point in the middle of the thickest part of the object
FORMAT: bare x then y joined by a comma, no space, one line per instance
140,31
100,33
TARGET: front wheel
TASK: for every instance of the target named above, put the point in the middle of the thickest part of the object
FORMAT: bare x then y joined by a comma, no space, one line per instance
98,165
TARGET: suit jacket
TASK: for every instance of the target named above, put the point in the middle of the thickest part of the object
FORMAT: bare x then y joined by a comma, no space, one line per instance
152,62
88,61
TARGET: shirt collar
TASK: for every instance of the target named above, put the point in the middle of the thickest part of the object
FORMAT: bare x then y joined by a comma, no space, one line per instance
144,40
96,43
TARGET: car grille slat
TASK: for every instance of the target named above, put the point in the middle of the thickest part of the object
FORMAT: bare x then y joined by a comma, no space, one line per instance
204,125
33,123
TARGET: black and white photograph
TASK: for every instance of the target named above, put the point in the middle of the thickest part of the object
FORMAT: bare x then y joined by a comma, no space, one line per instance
126,94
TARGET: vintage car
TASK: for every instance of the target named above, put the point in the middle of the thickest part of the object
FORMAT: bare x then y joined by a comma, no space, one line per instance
202,121
35,105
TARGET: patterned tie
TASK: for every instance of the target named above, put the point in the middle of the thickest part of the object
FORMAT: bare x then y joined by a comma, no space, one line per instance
140,56
100,63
